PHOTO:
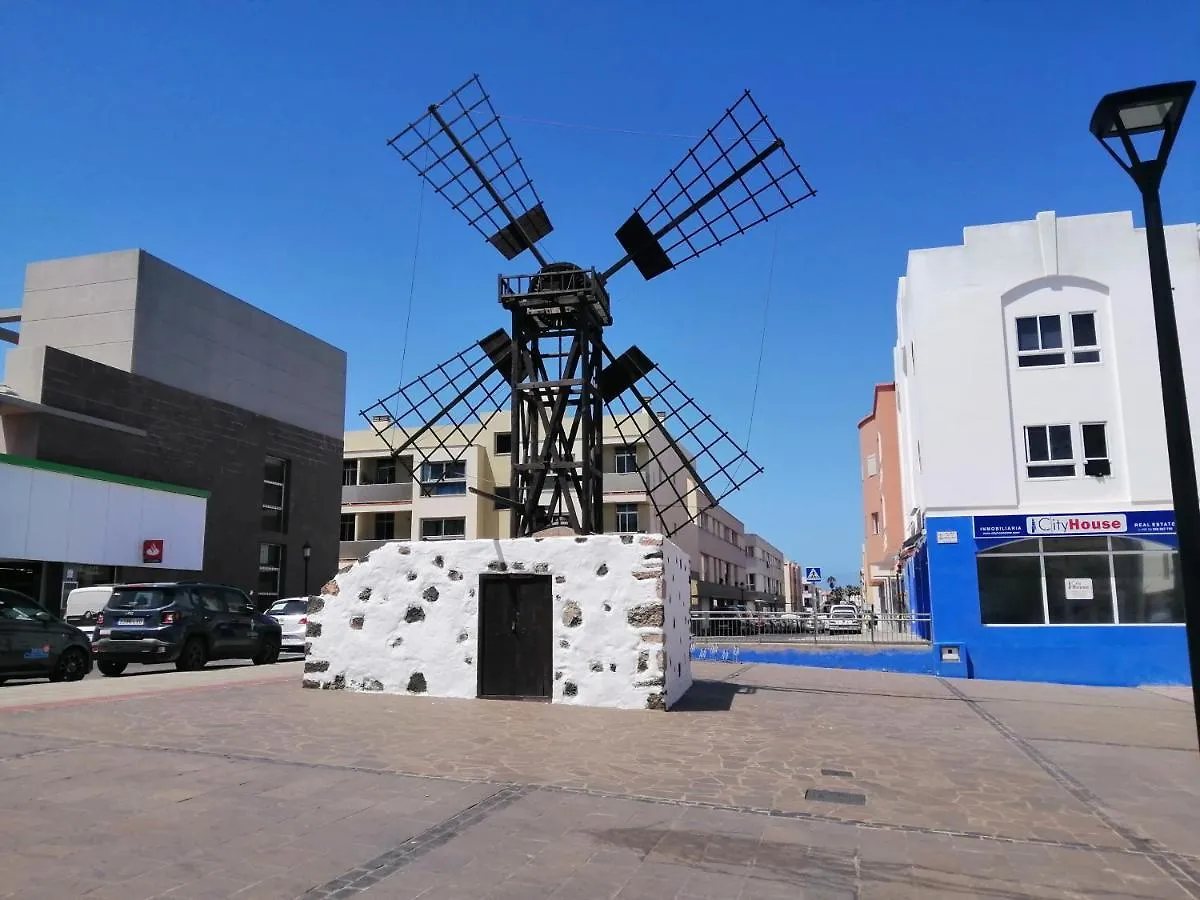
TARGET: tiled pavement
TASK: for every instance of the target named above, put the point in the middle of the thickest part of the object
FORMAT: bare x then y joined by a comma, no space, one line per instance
240,784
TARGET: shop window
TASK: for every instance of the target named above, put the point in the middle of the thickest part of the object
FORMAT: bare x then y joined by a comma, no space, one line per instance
1049,451
1091,580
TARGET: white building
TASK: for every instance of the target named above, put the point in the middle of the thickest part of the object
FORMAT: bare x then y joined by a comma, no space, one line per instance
1030,411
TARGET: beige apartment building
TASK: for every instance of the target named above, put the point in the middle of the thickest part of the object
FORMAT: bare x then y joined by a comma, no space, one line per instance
383,500
883,512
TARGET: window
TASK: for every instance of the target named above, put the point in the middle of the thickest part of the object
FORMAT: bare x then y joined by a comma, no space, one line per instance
625,460
1040,341
347,527
349,472
872,465
503,443
627,517
874,523
270,573
504,491
1093,580
385,526
385,470
274,502
443,529
443,478
1095,449
1085,348
1049,452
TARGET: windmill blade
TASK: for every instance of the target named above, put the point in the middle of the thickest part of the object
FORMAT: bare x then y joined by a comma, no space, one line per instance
463,150
737,176
693,463
451,405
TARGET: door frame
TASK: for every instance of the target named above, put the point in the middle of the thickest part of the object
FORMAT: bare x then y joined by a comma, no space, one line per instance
513,578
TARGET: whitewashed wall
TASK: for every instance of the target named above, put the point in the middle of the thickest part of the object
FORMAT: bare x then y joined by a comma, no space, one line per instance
964,402
58,517
406,618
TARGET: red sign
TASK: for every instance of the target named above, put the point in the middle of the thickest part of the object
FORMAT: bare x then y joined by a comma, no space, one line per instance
152,551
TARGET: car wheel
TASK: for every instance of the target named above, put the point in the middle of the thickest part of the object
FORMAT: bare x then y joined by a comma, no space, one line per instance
193,656
72,665
268,653
111,667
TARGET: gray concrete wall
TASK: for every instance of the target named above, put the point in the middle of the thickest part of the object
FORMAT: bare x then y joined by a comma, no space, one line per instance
84,305
192,336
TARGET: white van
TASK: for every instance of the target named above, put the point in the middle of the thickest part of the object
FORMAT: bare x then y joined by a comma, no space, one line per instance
84,604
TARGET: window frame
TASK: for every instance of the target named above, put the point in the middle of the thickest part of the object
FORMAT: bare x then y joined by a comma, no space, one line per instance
1103,426
274,519
375,529
1070,350
1051,461
1077,348
279,567
349,466
441,521
507,438
621,456
342,523
626,509
443,486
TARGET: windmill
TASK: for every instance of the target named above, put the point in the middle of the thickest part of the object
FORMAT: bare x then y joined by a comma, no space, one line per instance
555,371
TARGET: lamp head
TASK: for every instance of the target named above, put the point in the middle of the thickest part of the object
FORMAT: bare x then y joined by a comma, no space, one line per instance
1146,111
306,550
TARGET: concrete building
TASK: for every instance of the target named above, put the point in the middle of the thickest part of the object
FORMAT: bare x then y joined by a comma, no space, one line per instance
1040,531
764,574
793,586
155,426
883,507
382,500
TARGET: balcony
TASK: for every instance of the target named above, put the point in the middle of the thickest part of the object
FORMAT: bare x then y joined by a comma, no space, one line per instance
623,482
400,492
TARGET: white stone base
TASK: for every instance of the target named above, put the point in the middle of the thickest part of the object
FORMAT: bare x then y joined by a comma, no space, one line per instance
406,618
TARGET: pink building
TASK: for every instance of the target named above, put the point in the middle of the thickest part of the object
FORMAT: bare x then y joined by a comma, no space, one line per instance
883,512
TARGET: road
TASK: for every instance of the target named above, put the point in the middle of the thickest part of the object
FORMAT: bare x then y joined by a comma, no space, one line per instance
136,671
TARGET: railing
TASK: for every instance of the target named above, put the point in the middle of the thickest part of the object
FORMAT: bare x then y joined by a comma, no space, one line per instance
377,493
802,628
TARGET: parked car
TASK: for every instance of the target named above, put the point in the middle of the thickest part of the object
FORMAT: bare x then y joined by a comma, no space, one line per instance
292,615
843,617
187,623
84,605
35,643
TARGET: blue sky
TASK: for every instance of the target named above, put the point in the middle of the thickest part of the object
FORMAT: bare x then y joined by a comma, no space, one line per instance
244,141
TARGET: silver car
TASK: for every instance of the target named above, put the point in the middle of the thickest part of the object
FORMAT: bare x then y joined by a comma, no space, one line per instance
292,615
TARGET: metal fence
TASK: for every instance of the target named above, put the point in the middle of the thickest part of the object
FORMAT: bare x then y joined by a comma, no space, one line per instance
804,628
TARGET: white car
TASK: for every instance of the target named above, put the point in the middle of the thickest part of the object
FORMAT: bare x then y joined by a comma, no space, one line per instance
843,617
84,604
292,615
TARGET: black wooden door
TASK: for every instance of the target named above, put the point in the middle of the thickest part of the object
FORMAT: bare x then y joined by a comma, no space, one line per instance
515,636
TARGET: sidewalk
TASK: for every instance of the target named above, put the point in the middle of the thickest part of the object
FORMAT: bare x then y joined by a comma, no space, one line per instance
774,782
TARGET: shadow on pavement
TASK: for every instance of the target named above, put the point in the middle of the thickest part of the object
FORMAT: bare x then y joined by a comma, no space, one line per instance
711,696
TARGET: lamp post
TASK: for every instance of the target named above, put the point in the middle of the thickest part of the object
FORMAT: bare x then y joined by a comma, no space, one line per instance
1150,113
306,552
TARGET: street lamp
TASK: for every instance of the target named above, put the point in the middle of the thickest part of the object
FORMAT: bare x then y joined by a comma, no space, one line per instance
306,552
1154,113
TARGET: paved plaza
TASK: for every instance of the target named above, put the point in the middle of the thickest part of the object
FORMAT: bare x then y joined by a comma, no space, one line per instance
772,782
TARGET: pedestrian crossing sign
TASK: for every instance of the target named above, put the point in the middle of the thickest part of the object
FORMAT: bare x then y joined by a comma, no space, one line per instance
812,575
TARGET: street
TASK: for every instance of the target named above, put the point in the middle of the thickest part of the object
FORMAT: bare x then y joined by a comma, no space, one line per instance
138,671
769,782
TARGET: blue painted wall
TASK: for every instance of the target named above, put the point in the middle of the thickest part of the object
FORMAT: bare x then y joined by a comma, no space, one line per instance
907,660
1077,654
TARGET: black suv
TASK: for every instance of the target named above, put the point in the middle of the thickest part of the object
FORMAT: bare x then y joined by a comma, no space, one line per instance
187,623
34,643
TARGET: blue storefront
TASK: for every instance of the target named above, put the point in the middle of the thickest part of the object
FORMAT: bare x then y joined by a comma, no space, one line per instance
1076,598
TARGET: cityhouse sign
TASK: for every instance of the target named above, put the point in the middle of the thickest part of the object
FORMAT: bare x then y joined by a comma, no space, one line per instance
1142,522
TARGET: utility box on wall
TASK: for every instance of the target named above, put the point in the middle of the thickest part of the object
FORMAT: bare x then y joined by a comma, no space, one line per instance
596,620
952,660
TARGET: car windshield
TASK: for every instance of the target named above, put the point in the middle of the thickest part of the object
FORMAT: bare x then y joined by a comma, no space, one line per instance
289,608
141,598
843,612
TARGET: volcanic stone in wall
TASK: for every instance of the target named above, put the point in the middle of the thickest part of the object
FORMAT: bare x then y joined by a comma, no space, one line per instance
572,615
